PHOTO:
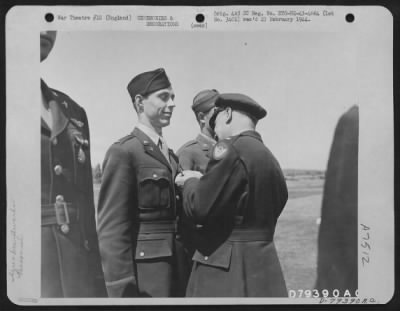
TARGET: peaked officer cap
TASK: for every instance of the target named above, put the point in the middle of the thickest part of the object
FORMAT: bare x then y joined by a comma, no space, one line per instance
148,82
204,100
238,102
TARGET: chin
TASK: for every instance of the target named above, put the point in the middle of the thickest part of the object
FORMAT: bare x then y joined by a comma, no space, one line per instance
165,123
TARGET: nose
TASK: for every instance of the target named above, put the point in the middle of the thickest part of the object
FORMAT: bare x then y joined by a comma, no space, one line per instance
170,103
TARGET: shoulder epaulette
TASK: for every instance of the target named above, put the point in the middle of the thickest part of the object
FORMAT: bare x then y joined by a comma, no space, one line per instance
185,145
125,138
189,143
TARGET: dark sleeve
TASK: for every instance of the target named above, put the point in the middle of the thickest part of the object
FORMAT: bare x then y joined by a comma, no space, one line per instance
89,223
116,201
216,193
185,158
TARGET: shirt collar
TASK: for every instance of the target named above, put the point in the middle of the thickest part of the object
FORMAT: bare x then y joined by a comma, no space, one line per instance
149,132
207,138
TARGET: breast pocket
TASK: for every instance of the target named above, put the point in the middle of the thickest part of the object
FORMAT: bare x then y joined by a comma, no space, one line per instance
154,188
152,248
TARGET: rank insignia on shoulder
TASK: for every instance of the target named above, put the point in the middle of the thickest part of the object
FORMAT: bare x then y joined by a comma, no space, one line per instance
77,122
220,150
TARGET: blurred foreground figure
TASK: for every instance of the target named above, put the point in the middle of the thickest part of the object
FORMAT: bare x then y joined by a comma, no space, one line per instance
337,243
70,255
236,205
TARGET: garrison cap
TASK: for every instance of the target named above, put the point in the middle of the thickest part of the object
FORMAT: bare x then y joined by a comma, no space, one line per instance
204,100
148,82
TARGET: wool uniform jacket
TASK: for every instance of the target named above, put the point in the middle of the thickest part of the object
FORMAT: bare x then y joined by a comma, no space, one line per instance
194,155
69,254
237,203
137,214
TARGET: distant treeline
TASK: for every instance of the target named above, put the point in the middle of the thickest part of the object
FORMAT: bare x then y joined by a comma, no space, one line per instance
301,173
289,174
97,173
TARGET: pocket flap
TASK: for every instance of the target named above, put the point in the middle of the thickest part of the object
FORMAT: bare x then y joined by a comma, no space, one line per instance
219,258
153,173
154,248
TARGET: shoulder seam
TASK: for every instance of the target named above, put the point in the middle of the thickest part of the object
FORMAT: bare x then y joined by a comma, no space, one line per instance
125,139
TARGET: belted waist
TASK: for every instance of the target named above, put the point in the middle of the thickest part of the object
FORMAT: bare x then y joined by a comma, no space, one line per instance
59,213
151,215
248,234
160,226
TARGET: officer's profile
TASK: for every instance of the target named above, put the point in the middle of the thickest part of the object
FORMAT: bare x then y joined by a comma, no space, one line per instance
236,205
137,210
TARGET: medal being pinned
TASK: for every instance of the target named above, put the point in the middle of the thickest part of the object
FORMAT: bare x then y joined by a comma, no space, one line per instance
220,150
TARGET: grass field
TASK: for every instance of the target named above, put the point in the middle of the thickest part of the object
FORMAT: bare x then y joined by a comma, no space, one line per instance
296,232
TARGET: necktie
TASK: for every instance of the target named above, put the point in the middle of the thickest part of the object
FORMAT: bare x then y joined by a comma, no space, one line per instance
164,148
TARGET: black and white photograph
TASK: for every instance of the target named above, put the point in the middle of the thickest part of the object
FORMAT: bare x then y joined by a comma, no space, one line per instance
186,153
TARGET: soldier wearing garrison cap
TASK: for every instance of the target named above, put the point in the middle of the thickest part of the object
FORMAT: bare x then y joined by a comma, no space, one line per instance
70,260
236,205
194,155
137,210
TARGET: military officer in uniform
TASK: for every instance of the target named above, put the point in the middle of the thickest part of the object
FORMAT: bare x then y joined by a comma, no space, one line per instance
69,256
194,154
236,204
137,210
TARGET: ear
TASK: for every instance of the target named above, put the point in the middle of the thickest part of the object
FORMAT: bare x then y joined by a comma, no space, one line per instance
229,115
138,103
200,117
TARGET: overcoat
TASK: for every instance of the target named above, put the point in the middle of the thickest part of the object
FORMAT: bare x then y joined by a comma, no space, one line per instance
70,257
142,255
236,204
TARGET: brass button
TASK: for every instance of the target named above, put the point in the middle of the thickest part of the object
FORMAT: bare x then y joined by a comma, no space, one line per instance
206,258
55,141
86,245
86,143
154,175
59,198
64,228
141,254
58,169
177,197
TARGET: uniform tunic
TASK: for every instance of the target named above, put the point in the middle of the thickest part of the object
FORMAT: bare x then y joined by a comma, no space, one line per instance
237,202
194,154
70,259
137,213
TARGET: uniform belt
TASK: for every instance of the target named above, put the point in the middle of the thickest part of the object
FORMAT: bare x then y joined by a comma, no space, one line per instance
244,234
150,215
162,226
59,214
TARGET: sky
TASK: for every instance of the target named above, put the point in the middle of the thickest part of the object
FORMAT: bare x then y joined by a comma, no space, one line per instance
305,81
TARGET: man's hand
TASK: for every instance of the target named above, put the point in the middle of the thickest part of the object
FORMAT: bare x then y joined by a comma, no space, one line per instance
185,175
